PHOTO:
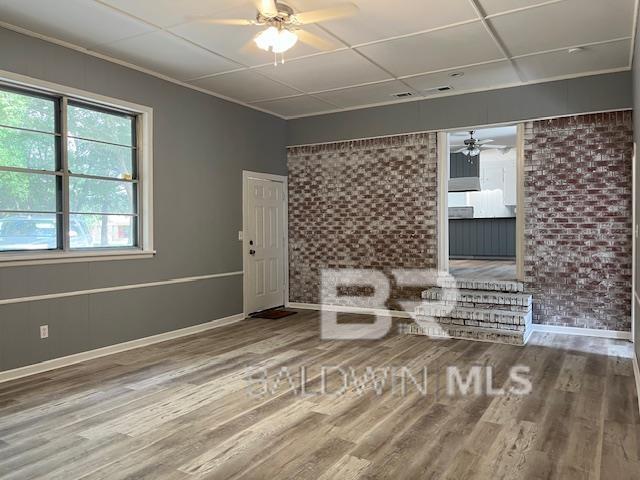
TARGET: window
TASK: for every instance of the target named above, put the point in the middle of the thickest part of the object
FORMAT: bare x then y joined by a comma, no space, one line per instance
69,177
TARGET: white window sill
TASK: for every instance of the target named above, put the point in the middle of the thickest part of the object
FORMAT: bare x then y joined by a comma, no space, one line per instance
44,258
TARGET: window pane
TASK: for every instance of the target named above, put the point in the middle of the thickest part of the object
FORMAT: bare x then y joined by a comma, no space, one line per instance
28,192
100,196
96,125
27,149
25,111
94,231
19,231
100,159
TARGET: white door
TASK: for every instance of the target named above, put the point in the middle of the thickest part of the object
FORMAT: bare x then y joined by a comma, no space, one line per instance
264,242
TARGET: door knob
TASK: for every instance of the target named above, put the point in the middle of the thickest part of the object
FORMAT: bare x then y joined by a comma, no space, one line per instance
252,252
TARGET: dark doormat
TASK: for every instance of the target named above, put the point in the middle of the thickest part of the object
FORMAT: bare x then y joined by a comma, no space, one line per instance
273,314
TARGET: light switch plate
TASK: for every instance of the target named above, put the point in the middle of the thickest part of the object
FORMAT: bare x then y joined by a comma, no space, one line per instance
240,235
44,331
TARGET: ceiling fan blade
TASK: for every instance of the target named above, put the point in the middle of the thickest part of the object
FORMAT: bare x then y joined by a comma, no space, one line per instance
332,13
493,146
250,46
266,7
314,40
464,149
228,21
482,142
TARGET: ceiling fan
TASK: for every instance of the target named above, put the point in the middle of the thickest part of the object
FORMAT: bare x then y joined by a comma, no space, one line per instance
473,146
284,25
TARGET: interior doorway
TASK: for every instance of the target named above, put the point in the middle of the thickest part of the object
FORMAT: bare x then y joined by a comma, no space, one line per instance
265,254
482,203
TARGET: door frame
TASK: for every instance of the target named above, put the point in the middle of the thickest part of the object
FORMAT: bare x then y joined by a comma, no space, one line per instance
443,201
246,175
443,197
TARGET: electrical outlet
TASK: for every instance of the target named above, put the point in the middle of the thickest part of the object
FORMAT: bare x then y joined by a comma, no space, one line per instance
44,331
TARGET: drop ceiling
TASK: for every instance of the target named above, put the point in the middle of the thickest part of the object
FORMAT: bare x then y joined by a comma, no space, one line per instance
389,47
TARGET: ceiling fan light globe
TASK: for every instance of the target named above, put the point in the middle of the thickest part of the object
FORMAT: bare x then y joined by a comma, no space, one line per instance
277,41
285,40
267,38
475,151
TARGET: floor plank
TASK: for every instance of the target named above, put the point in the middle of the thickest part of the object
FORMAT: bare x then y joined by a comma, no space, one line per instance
186,409
484,269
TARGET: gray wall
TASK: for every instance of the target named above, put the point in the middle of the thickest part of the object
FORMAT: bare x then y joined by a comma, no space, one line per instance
580,95
201,146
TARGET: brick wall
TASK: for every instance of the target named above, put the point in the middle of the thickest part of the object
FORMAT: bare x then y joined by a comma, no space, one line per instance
361,204
578,228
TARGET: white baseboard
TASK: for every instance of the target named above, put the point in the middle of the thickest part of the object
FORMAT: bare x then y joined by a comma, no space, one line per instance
585,332
346,309
111,349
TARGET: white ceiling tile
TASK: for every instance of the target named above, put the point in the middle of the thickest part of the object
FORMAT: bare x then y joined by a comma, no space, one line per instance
124,29
82,23
162,52
294,106
438,50
591,59
365,94
165,13
235,42
564,24
492,7
344,68
246,86
378,19
489,75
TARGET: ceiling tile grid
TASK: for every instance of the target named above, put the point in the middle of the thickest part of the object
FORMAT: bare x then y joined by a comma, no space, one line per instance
387,48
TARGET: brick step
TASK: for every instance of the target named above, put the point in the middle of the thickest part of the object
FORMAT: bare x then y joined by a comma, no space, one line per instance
479,284
472,298
496,335
478,317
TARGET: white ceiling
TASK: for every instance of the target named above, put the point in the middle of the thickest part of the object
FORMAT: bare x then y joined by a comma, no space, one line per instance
388,47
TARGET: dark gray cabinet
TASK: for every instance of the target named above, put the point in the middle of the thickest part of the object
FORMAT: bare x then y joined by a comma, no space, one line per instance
461,166
482,238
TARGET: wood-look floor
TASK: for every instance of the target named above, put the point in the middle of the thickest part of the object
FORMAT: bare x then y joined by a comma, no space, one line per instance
485,269
181,410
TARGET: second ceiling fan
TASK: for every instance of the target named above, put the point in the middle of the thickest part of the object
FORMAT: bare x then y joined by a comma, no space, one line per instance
473,146
284,26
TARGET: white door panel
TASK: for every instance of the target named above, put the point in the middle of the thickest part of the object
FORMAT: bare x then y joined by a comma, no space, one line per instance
264,240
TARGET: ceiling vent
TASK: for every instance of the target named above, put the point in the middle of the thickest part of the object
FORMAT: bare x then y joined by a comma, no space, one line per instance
431,91
402,95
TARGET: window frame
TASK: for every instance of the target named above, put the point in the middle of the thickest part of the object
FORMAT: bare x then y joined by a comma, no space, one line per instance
142,136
